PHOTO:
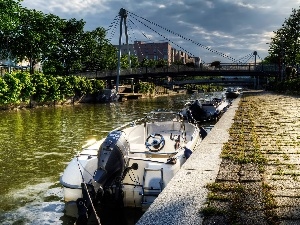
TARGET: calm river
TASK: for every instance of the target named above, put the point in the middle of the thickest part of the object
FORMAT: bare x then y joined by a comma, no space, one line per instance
37,144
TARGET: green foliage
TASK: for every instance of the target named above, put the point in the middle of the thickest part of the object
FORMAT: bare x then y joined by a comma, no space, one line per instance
66,86
20,87
204,87
3,92
134,61
8,11
40,83
15,87
285,45
98,85
53,93
145,87
83,86
161,63
287,86
178,62
144,63
62,46
216,64
27,88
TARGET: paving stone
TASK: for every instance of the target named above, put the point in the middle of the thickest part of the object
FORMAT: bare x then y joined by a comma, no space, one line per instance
277,133
288,213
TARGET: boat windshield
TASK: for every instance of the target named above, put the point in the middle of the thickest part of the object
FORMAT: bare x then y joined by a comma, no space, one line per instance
161,116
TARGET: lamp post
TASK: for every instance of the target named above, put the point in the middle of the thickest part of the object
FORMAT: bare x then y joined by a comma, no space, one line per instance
282,53
257,83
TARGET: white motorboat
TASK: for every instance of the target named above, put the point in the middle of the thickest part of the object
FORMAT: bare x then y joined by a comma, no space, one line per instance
232,92
205,108
134,163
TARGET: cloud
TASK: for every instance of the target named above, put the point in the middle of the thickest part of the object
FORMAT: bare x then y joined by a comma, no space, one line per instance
234,27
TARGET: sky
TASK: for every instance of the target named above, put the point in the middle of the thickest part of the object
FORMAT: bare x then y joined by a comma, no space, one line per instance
214,30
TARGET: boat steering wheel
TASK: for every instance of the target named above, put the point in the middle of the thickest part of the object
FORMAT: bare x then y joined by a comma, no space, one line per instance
155,142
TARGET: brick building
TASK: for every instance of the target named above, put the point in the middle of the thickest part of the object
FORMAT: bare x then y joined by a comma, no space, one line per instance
157,51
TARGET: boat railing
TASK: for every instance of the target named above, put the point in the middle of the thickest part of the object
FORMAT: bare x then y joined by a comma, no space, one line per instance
129,124
155,153
135,185
148,117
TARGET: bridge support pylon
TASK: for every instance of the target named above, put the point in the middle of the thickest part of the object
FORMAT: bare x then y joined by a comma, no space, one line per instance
123,15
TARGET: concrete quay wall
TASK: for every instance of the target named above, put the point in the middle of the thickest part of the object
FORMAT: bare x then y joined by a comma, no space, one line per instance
185,195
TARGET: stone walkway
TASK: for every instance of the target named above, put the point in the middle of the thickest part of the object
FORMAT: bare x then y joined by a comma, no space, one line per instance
258,180
245,172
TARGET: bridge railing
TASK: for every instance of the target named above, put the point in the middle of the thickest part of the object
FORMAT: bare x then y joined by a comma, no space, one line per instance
180,68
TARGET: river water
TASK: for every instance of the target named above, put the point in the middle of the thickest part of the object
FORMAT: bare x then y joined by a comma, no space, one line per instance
37,144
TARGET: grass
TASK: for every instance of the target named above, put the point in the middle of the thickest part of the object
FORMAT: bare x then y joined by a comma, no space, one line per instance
243,148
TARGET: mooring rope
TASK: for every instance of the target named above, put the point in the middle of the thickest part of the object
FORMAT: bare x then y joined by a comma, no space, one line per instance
98,219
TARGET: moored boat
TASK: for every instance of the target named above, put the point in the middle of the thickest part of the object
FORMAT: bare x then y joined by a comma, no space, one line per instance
108,95
232,92
132,165
205,108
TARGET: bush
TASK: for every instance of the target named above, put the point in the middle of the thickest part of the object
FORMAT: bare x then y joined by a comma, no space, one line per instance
20,87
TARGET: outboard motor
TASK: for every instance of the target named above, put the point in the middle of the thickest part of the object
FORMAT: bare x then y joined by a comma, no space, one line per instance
112,162
112,158
197,111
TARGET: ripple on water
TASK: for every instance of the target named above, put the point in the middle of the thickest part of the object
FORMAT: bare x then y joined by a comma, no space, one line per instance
35,213
35,205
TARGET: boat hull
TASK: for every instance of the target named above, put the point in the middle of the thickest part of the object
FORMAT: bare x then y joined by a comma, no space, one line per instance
152,152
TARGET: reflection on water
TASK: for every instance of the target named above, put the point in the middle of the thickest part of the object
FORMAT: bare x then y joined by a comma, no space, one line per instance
37,144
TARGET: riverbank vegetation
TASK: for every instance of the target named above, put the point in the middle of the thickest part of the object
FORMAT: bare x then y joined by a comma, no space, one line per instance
290,86
284,51
203,87
22,88
62,46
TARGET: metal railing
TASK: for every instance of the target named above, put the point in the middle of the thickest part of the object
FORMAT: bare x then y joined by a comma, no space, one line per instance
250,67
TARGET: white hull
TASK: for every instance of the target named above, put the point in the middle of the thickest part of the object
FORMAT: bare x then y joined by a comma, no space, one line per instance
157,164
205,108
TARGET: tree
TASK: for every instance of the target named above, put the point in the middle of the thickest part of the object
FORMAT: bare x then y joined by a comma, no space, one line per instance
27,88
216,64
36,35
95,50
9,11
71,45
62,46
285,45
4,89
161,63
134,61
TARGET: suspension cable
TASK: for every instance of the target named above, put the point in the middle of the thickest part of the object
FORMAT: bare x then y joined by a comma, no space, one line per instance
113,27
251,56
244,57
187,39
165,37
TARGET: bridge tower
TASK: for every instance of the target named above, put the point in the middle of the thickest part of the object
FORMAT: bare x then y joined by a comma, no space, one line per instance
123,15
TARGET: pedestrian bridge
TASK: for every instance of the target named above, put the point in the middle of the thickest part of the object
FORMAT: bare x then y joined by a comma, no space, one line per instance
224,80
185,72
